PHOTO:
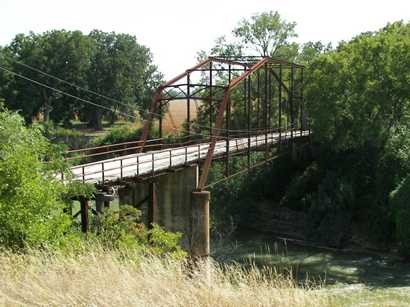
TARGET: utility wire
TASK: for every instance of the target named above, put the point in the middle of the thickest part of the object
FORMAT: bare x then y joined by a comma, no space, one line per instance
81,88
113,99
66,94
97,94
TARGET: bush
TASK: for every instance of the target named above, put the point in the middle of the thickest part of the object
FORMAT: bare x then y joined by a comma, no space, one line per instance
30,196
400,200
52,131
119,134
124,230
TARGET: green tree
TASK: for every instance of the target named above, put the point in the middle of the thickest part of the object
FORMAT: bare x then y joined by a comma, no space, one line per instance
311,50
267,33
119,67
30,196
113,65
358,93
61,53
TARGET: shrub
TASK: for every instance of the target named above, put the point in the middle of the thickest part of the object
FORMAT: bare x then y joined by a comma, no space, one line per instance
30,196
119,134
124,230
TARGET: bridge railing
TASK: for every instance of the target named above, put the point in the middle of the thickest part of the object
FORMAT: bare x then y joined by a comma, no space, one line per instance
153,162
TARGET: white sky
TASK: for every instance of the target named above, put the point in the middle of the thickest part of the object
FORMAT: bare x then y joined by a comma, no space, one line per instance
176,30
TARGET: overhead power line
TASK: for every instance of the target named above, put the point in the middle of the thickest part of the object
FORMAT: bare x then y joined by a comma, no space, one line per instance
79,87
67,94
97,94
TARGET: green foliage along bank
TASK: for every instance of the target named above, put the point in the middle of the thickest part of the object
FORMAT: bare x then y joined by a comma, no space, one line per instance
30,197
33,202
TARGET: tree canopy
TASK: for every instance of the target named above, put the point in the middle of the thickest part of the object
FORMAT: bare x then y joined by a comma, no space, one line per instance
266,32
358,94
114,65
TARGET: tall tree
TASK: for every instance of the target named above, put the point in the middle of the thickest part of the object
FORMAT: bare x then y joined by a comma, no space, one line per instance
118,68
113,65
61,53
266,32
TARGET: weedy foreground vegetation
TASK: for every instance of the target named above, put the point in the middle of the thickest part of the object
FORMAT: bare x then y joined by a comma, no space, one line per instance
100,277
113,278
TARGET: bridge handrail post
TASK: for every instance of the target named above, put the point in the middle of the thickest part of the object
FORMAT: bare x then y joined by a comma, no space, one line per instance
152,164
121,169
103,173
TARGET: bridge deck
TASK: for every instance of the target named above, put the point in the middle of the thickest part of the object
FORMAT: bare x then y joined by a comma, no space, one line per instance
142,164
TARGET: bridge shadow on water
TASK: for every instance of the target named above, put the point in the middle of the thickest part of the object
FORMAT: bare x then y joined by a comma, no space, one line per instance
318,265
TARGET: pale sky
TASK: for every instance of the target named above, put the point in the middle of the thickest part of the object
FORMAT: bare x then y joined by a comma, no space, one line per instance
176,30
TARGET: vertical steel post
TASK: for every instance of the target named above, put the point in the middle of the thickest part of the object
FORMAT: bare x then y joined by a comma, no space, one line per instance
245,89
292,117
265,110
249,119
280,105
258,98
210,100
228,124
160,120
302,103
269,99
188,104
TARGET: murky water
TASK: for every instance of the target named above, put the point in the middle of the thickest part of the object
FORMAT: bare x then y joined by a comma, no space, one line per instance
326,266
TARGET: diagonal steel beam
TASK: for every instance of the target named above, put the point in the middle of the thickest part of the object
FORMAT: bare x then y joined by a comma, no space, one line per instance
218,123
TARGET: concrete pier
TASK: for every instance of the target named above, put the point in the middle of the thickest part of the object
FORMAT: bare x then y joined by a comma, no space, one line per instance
200,242
165,200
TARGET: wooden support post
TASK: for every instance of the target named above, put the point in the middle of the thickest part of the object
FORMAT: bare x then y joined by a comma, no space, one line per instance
152,204
84,204
200,243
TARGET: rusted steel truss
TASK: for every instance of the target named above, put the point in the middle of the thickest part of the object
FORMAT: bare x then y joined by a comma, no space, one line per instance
239,97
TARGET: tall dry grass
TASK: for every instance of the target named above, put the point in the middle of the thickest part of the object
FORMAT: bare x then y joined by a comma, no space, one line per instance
101,278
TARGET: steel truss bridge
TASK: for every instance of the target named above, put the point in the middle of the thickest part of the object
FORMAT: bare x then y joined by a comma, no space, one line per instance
249,107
